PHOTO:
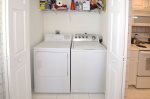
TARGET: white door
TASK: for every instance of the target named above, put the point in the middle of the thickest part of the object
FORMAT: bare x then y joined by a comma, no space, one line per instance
18,49
117,46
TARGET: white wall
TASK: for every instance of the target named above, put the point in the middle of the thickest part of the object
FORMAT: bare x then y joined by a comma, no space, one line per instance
72,22
36,23
36,28
104,27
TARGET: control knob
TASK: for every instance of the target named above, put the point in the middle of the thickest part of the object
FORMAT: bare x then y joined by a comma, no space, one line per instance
93,37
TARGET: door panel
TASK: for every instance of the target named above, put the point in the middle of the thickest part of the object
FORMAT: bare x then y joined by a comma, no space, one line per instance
50,64
115,84
18,51
116,47
20,77
19,31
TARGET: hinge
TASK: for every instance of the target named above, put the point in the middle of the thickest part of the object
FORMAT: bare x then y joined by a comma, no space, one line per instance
124,59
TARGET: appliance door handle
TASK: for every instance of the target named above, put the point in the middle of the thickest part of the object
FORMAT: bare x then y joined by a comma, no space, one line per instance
135,17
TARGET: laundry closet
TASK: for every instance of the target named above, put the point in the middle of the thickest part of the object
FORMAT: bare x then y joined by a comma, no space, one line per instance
104,30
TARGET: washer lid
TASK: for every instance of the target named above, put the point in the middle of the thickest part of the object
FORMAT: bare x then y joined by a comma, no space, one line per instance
88,46
63,45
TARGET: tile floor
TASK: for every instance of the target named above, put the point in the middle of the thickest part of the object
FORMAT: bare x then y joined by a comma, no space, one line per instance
133,93
68,96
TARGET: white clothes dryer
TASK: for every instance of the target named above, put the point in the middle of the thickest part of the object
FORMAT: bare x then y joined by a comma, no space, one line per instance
52,64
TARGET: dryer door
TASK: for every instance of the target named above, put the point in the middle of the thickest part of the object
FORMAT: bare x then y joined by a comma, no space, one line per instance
52,72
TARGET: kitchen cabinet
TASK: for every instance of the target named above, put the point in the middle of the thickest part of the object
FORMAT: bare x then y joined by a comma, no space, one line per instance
143,5
141,15
132,67
141,20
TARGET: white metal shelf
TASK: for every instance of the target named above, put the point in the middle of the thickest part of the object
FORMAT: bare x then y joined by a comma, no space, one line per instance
72,11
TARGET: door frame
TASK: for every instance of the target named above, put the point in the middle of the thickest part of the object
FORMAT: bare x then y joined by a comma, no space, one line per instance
5,47
126,47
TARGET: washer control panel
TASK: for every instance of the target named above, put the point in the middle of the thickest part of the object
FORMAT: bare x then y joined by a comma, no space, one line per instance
86,37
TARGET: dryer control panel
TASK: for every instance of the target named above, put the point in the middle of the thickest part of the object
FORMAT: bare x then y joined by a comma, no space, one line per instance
57,37
87,37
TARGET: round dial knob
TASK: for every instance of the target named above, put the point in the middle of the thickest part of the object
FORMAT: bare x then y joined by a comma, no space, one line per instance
93,37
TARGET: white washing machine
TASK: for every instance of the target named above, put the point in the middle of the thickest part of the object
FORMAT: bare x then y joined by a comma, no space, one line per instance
52,64
88,64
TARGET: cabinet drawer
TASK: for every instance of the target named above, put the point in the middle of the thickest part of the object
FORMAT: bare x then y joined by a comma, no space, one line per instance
143,82
133,54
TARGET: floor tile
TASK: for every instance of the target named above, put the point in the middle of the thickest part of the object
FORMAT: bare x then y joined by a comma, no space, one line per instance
44,96
63,96
97,96
68,96
80,96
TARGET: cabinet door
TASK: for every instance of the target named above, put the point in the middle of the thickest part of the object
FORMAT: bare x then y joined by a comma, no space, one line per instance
148,5
139,4
132,65
52,72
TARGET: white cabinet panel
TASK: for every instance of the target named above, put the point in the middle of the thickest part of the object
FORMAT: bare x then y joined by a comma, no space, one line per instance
132,65
133,54
141,5
52,72
143,82
138,4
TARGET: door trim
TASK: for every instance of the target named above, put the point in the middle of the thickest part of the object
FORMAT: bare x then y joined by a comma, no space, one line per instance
5,46
126,47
